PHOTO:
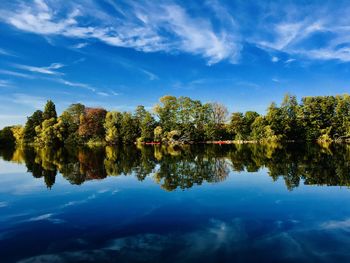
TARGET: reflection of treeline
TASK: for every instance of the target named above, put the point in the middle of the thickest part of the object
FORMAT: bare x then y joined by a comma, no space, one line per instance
175,167
173,120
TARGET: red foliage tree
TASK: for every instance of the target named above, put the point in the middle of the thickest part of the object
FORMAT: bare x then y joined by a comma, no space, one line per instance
91,123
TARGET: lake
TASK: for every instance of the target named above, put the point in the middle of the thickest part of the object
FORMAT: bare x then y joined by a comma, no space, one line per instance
200,203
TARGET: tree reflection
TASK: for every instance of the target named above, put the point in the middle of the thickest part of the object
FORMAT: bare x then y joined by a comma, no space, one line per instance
182,167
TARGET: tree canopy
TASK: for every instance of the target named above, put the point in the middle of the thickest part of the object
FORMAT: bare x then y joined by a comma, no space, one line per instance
182,119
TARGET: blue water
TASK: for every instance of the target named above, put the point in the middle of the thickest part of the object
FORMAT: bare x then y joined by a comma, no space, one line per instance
248,217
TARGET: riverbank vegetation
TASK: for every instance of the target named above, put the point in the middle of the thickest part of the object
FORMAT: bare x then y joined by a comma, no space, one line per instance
184,120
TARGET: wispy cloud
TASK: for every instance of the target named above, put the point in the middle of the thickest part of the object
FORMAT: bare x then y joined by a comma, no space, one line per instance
149,74
291,60
15,74
80,45
49,70
334,224
104,94
28,100
5,83
212,30
115,93
75,84
147,27
3,204
5,52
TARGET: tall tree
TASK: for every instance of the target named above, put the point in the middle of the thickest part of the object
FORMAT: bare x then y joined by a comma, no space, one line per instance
112,127
50,110
6,137
91,123
129,128
166,111
29,129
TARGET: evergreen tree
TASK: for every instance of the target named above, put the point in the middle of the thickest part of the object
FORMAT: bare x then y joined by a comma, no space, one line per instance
29,129
49,111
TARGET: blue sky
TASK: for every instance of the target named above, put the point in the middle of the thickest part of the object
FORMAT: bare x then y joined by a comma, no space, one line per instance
118,54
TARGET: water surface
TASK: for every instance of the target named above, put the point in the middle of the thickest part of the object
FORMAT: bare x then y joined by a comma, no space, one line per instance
245,203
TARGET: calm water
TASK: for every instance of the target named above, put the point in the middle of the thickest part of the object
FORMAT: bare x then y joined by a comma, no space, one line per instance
192,204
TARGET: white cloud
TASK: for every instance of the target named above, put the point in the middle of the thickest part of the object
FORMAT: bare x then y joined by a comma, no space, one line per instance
148,27
76,84
150,75
50,70
151,26
275,59
15,74
5,83
81,45
288,61
41,217
3,204
104,94
28,100
5,52
334,224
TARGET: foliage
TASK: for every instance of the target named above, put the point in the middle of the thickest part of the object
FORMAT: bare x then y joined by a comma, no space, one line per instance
6,137
32,122
184,120
49,111
18,133
92,123
112,127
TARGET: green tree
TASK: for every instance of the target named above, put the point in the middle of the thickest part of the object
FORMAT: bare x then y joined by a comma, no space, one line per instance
6,137
291,121
129,129
50,110
18,133
48,133
112,127
147,125
259,129
69,123
29,128
166,111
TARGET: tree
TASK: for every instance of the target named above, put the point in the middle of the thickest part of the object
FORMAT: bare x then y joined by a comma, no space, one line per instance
237,126
318,114
69,123
290,115
48,133
6,137
259,129
29,129
217,121
91,123
219,113
129,129
158,132
146,124
274,119
49,111
112,127
167,112
18,133
147,128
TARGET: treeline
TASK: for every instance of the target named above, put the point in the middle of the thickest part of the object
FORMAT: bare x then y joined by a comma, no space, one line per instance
181,119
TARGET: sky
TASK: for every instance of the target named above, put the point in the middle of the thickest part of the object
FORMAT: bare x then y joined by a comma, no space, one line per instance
118,54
